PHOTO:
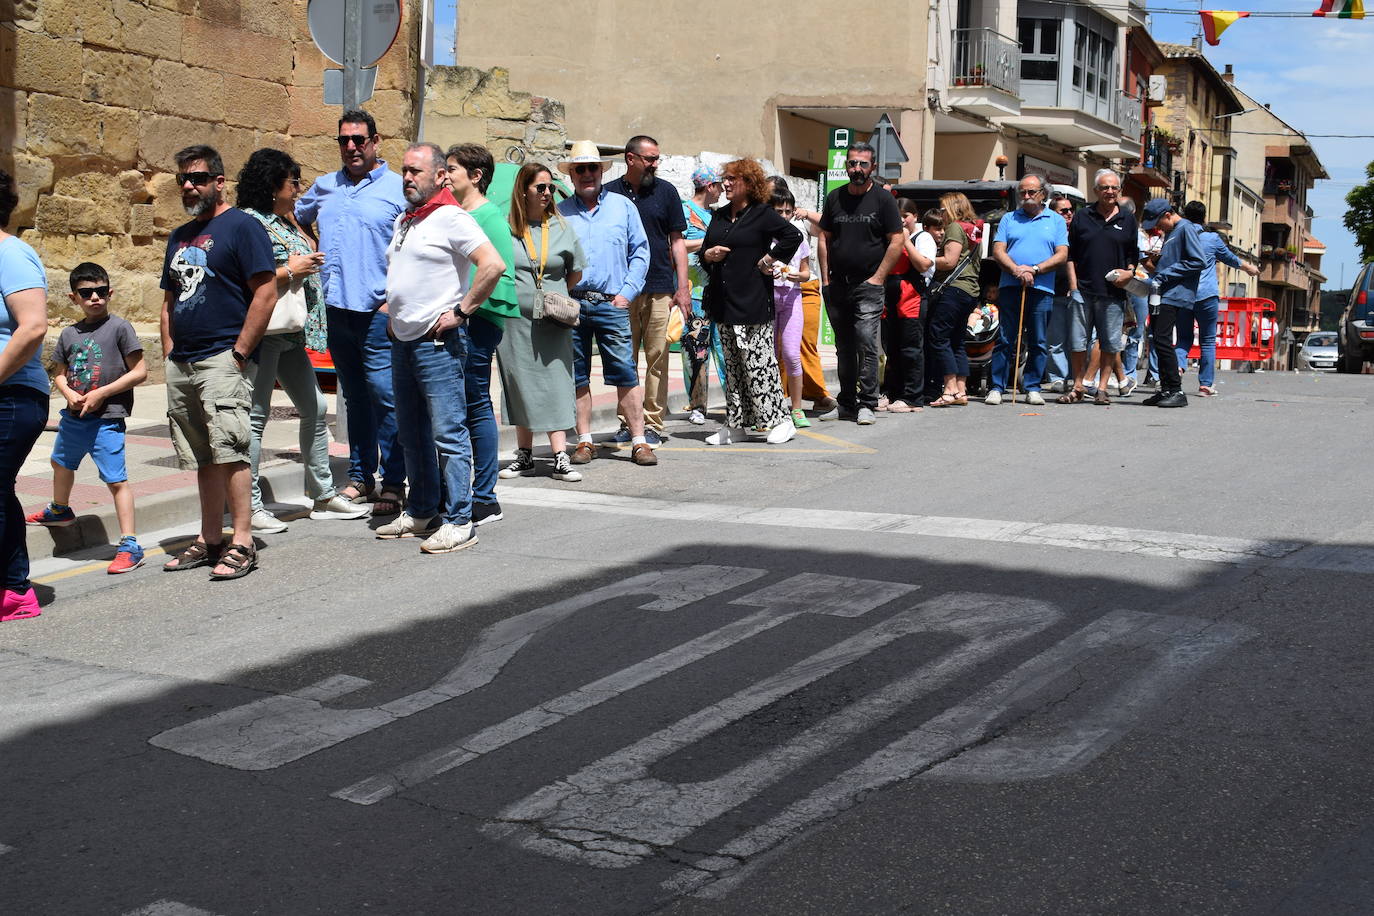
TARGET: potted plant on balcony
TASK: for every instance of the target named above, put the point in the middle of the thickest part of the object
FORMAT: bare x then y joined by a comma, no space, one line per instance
979,76
1291,253
1283,187
1266,252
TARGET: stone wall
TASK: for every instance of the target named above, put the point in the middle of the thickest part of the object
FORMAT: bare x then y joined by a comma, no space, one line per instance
467,105
97,95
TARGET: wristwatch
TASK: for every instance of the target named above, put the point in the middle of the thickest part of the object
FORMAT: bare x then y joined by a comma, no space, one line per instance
239,358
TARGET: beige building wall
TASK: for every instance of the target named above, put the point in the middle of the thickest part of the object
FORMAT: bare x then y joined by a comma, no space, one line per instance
96,96
702,76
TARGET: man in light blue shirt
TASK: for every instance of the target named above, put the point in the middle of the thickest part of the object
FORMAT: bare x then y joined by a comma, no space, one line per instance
617,250
1031,244
1206,305
355,209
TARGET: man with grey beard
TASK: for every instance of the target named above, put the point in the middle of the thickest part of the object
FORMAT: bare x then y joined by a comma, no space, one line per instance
219,282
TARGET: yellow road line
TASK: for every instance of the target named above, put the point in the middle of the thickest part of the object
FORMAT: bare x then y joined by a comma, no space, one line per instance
840,445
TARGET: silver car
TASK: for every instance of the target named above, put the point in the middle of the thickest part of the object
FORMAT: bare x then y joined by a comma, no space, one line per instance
1319,352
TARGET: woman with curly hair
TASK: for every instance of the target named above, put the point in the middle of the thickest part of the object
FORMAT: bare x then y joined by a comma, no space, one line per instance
268,186
744,247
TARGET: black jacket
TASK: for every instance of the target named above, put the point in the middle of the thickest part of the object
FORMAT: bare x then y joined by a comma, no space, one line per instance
737,292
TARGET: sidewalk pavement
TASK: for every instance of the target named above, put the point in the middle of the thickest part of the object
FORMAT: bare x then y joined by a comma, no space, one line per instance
166,497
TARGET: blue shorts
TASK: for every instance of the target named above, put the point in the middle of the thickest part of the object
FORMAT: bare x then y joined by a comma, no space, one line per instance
102,439
610,327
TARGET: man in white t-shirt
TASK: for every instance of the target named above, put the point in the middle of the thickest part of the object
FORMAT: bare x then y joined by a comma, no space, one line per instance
433,250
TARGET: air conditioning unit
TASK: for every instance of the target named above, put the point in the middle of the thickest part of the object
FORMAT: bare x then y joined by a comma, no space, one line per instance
1158,85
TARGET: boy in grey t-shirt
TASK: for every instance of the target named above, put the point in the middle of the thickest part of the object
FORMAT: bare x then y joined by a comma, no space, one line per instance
98,362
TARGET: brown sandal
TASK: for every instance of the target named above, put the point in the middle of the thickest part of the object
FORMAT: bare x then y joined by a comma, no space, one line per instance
1073,396
357,491
388,503
239,558
949,399
198,554
1102,400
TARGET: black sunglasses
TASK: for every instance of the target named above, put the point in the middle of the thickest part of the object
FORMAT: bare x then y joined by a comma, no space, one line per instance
87,292
543,187
585,168
857,164
198,179
358,140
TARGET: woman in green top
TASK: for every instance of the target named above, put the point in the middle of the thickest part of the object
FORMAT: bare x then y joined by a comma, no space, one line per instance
470,170
536,355
956,280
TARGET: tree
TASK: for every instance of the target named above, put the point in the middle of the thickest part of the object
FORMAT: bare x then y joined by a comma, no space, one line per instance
1359,219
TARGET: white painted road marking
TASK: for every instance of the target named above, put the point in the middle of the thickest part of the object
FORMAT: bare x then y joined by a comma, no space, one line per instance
782,601
1181,645
1173,545
613,814
273,731
168,908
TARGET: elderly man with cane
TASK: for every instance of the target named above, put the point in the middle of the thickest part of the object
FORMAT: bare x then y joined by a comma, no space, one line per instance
1030,245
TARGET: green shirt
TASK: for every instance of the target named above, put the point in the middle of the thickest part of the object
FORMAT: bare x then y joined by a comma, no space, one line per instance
503,301
967,280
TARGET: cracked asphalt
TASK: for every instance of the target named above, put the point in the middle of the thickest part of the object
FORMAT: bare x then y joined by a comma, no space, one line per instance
990,660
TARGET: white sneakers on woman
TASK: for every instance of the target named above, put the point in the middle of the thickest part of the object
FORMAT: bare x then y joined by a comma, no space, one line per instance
785,431
726,435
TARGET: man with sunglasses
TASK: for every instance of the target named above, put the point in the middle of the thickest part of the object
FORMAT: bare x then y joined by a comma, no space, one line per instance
863,238
353,211
612,236
666,285
219,279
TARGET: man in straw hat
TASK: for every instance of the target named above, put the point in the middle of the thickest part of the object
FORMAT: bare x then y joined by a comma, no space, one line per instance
617,250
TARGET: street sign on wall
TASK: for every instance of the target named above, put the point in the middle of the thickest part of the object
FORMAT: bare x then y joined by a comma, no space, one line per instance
356,34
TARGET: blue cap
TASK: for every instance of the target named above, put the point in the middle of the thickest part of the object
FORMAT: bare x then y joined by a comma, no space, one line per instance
1155,207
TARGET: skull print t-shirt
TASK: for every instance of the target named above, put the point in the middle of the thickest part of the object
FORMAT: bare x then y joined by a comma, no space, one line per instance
207,268
93,353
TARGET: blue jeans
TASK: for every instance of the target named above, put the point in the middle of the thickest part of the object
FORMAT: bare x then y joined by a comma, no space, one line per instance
1037,319
483,339
946,334
1204,312
1057,339
362,359
1130,357
282,358
431,414
23,414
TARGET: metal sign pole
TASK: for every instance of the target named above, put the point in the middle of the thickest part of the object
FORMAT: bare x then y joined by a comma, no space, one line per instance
353,52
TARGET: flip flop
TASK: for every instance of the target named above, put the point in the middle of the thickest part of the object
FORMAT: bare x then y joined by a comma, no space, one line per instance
239,558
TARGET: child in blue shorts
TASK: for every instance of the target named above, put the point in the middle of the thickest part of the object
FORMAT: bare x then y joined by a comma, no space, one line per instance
98,362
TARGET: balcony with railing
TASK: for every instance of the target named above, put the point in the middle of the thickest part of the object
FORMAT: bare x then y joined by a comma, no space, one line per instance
1128,109
985,77
1156,166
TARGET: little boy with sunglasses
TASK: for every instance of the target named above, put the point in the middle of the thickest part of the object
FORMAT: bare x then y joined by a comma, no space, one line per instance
98,361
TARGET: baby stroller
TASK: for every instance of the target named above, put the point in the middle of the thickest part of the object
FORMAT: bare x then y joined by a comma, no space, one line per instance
980,339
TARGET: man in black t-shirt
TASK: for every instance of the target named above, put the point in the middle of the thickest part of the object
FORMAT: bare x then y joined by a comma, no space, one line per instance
863,235
219,282
666,285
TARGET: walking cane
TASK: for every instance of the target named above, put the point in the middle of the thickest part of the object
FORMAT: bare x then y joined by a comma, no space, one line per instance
1016,366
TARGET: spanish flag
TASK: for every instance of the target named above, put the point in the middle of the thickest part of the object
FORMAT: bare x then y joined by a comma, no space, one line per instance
1214,22
1350,9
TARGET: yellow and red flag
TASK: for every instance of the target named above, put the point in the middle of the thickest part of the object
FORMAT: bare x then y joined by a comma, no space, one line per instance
1214,22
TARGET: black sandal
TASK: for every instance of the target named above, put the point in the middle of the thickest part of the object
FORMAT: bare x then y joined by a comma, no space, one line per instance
198,554
240,558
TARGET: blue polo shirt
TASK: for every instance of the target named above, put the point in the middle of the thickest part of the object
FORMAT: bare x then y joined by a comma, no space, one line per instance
614,242
1216,249
1032,240
354,222
661,213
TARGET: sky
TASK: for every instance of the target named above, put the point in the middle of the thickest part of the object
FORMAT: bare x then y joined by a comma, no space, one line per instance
1316,74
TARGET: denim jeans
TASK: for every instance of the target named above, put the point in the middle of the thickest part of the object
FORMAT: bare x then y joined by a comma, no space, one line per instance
362,359
431,414
23,414
1032,338
282,358
946,334
855,311
1130,357
1204,312
1057,339
483,339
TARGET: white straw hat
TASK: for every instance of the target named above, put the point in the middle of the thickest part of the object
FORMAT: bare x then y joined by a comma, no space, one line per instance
582,151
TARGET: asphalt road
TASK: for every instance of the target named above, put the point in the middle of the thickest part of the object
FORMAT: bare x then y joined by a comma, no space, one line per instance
986,660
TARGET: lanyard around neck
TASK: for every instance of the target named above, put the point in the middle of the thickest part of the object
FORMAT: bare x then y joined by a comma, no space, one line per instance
543,252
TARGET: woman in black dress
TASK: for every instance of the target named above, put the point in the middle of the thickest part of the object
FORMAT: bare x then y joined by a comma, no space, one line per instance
745,244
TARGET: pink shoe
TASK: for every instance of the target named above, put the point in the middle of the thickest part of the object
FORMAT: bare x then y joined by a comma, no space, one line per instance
18,605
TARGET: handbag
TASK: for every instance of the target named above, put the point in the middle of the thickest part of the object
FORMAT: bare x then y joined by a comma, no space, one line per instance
555,307
288,315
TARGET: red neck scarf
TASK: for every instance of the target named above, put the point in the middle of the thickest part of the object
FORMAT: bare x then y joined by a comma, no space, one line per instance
443,199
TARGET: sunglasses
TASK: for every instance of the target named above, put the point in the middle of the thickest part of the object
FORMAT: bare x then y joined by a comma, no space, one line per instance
649,159
1064,210
543,187
857,164
358,140
199,179
586,168
96,292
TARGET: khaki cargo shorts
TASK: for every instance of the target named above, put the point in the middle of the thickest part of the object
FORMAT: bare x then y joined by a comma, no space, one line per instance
207,409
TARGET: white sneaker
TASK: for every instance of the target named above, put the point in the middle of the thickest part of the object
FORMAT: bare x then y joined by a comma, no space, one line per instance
265,522
866,417
725,436
407,526
1035,399
785,431
697,417
449,537
994,398
1113,386
563,469
1055,387
338,507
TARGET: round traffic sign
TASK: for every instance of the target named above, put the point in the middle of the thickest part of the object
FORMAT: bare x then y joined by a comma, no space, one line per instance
380,22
